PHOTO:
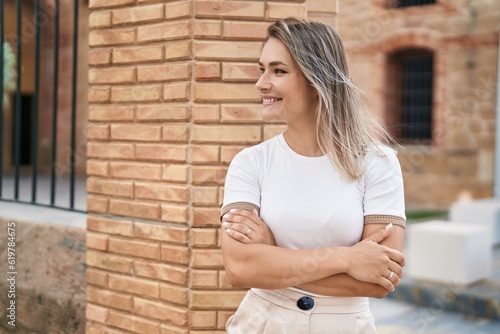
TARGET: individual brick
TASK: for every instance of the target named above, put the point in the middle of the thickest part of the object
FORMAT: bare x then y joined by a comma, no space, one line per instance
135,170
164,31
174,213
174,173
97,241
226,50
139,14
162,112
109,298
94,4
204,279
148,250
167,329
204,237
108,37
97,204
115,113
99,57
133,285
223,280
207,71
99,94
134,209
207,258
98,132
176,92
229,9
206,217
97,168
160,311
204,195
136,132
161,152
208,175
203,319
164,72
96,313
216,299
108,261
226,134
225,92
96,277
207,29
174,294
228,152
143,54
110,226
133,323
175,133
161,232
161,271
250,31
110,187
204,154
178,10
241,113
240,72
205,113
110,150
100,19
278,10
161,192
111,76
178,50
175,254
137,93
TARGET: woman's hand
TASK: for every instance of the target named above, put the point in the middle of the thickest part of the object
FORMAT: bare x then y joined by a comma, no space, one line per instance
371,262
246,226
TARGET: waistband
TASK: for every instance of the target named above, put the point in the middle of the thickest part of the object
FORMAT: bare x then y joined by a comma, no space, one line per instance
288,298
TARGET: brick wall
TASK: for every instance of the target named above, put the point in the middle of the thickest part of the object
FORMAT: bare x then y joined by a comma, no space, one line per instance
171,101
463,36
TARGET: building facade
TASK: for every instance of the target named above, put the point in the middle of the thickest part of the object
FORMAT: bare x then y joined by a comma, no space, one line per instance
429,70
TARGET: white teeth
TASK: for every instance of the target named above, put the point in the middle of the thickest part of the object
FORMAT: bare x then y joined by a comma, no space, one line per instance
270,100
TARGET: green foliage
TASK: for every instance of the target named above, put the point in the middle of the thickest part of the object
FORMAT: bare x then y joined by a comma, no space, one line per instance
9,73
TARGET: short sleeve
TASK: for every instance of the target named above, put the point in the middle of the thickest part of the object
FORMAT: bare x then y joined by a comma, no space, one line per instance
242,186
383,188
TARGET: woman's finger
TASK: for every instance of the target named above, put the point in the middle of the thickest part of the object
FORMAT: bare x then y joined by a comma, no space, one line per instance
238,236
241,228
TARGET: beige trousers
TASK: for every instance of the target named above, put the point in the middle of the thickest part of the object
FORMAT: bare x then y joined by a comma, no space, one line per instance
276,312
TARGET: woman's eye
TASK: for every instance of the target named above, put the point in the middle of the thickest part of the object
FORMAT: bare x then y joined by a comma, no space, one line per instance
278,71
261,69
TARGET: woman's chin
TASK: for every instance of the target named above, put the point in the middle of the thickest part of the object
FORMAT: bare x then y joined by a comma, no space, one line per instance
271,117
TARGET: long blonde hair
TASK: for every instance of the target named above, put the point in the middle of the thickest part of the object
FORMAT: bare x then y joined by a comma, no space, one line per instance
345,128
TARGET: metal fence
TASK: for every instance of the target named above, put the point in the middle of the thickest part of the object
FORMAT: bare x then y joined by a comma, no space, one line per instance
23,151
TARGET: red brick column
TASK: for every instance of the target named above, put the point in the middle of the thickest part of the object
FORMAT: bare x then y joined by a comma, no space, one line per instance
172,100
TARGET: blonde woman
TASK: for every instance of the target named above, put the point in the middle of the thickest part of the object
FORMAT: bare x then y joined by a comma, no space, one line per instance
313,219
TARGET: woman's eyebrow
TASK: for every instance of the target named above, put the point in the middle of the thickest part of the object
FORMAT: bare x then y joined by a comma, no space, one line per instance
274,63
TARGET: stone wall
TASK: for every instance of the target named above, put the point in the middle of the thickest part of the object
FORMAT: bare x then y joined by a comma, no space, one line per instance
463,35
172,100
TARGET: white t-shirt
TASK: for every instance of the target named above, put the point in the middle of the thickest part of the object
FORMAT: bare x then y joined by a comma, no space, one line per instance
305,201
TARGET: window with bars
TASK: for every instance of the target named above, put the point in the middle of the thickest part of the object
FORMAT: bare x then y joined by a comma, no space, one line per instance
410,95
410,3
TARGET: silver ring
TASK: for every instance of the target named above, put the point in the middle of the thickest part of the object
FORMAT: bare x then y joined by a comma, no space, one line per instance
248,232
390,275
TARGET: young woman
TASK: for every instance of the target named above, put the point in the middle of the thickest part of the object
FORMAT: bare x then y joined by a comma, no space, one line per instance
313,219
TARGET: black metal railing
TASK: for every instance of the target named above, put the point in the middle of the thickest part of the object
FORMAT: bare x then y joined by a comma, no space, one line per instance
44,180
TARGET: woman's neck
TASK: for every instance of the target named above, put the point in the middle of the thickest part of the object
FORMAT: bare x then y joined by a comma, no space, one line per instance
303,142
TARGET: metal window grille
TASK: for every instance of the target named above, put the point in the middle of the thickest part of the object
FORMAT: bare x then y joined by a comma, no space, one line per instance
25,180
410,3
416,96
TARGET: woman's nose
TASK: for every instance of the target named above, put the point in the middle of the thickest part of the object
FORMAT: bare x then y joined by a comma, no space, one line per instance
262,84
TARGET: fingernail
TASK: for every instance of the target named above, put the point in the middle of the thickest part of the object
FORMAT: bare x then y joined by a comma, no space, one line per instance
388,226
255,211
225,216
228,230
225,224
232,210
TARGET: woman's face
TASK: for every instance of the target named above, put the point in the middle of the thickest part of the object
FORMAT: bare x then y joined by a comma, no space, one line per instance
286,94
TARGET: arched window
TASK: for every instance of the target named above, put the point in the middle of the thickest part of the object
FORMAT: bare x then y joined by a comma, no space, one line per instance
409,95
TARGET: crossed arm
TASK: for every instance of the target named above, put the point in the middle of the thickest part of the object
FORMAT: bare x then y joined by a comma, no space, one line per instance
361,270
